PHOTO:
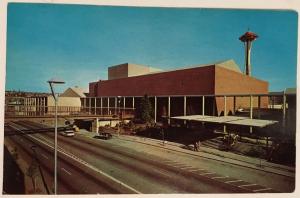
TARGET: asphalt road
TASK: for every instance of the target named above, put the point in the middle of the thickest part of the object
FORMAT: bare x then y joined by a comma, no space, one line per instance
73,176
93,166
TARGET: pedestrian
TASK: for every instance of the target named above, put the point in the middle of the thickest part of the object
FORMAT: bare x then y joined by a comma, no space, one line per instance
195,146
199,143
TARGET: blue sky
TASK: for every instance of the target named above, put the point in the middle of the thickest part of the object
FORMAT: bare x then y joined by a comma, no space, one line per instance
77,42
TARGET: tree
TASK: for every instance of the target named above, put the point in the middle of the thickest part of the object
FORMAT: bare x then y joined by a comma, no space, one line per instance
145,110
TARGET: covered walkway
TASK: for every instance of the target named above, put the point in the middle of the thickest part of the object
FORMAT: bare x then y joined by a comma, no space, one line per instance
234,120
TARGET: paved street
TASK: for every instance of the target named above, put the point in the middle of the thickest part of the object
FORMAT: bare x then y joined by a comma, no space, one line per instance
128,164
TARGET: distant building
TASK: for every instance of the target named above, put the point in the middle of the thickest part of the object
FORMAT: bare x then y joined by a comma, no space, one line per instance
69,101
74,92
38,104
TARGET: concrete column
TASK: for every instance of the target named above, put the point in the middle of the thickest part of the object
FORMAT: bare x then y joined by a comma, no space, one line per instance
284,112
203,105
251,107
224,128
43,106
132,102
184,105
101,106
259,104
39,106
214,106
155,108
169,109
234,104
35,104
225,113
108,113
96,106
28,106
32,106
84,104
90,106
225,106
251,111
25,106
124,105
116,105
44,102
284,106
97,125
184,108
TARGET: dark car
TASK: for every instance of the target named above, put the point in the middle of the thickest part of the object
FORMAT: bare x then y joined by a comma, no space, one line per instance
104,135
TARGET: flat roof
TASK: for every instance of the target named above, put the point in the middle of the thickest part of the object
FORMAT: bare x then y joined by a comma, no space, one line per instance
234,120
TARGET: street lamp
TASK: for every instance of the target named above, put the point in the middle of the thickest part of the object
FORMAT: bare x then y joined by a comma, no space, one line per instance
51,83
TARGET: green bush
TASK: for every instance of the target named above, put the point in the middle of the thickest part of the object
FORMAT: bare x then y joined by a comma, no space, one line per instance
256,151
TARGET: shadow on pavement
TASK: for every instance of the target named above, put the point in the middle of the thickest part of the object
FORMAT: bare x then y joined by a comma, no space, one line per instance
13,178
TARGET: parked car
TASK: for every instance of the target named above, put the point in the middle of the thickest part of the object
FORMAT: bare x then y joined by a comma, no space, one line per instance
104,135
68,133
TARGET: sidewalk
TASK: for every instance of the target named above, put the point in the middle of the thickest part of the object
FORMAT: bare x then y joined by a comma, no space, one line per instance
209,153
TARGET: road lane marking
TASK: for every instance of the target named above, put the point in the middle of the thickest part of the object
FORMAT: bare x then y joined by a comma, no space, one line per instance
81,162
185,167
166,175
233,181
245,185
221,177
192,169
262,189
44,156
209,173
66,171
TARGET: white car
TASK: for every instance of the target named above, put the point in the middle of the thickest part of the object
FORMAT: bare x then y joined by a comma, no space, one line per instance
68,133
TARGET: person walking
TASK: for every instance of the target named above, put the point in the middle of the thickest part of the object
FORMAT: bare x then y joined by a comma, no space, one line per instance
196,146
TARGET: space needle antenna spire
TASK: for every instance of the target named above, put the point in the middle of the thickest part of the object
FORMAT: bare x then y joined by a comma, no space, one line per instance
247,39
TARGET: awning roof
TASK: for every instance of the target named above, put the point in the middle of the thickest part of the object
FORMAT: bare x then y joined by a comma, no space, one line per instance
235,120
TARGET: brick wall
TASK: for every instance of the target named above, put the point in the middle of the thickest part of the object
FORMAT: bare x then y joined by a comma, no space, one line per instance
194,81
230,82
118,71
93,89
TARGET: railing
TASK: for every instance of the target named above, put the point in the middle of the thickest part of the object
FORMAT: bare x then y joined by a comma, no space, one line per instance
31,110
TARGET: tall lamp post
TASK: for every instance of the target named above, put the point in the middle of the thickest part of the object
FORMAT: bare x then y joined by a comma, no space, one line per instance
51,83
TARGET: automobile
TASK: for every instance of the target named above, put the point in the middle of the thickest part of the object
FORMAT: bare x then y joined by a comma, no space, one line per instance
68,133
105,136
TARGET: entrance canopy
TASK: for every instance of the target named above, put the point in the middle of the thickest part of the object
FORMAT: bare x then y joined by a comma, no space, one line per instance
235,120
